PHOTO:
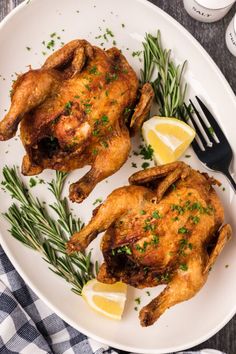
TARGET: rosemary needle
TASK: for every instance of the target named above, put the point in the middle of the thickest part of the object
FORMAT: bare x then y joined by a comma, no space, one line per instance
165,77
34,227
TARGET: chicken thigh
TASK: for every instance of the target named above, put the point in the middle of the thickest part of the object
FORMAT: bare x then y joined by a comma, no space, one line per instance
165,228
78,110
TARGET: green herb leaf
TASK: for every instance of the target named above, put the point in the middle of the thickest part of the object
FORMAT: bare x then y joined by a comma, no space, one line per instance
32,182
32,226
183,230
146,152
167,83
183,267
97,201
145,165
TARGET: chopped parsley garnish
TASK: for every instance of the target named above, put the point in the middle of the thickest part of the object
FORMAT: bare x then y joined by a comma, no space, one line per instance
178,208
164,277
105,119
110,77
137,300
148,293
28,48
68,106
142,212
123,250
32,182
109,32
96,132
95,151
155,240
195,219
211,130
142,249
134,165
123,25
145,165
183,243
87,107
127,110
146,152
51,44
187,156
192,207
183,230
94,70
87,87
196,206
97,201
156,215
183,267
104,144
137,53
148,226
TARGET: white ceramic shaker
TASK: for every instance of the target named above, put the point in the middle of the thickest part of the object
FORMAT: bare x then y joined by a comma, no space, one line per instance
230,36
208,10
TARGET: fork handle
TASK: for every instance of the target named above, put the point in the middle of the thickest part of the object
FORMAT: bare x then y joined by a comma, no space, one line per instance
230,178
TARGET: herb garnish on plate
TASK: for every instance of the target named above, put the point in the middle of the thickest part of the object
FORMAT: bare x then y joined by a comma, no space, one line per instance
34,227
165,77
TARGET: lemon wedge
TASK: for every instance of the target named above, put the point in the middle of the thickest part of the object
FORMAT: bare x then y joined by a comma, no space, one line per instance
107,299
169,138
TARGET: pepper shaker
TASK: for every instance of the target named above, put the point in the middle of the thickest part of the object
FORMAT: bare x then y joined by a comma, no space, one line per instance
230,36
208,10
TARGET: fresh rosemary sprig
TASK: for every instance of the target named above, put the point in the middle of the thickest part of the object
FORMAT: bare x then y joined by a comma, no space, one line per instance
33,226
169,91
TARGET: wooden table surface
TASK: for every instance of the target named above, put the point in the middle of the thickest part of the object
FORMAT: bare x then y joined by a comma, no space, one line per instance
211,36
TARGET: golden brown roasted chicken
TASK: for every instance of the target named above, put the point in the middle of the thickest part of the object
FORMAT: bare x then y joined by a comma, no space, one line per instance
75,111
165,228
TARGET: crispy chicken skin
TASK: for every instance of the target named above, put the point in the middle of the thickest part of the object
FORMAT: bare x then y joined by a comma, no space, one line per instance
165,228
78,110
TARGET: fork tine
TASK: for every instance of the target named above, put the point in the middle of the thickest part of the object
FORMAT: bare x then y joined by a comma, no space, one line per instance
216,128
197,143
206,133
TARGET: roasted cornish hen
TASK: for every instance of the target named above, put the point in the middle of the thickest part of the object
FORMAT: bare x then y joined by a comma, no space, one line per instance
165,228
78,109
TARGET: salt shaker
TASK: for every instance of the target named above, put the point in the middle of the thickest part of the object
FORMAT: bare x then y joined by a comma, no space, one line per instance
230,36
208,10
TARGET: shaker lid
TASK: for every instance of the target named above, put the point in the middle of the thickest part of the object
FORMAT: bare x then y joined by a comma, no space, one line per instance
215,4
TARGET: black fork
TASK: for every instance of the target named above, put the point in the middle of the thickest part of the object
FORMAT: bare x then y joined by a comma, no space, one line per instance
210,144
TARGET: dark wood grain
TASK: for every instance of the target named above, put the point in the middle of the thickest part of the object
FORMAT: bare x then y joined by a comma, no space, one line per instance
211,36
